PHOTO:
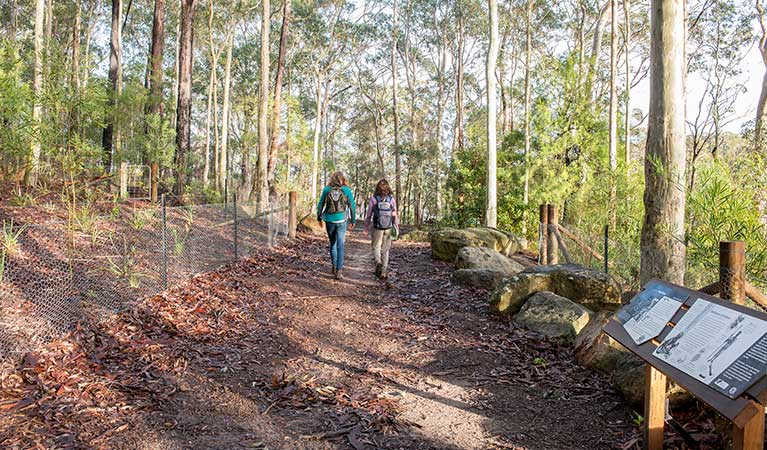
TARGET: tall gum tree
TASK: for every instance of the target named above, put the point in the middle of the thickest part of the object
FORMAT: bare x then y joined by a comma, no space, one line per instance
262,189
37,83
277,104
395,112
184,109
662,241
760,107
111,138
491,208
155,79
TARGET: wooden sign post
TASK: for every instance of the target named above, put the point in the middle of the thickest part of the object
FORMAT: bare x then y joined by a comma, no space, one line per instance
746,410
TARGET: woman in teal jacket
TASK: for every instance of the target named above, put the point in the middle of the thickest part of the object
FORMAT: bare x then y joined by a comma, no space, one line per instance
337,208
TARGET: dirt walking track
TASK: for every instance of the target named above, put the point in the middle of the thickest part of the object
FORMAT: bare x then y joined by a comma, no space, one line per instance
272,353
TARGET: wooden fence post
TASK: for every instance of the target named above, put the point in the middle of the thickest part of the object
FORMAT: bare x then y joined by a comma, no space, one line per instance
732,281
654,408
553,244
543,233
732,271
155,178
292,218
751,436
123,180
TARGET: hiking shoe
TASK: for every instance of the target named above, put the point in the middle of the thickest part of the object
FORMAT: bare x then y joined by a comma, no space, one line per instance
335,271
384,275
338,275
379,270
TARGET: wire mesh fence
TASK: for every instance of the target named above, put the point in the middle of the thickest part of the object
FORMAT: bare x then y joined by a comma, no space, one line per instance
54,275
618,253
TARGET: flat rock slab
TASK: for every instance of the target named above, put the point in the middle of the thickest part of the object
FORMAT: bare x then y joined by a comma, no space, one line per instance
446,243
590,288
482,278
553,316
416,236
310,225
486,258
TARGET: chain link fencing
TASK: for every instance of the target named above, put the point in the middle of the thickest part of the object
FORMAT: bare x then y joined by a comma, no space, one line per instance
591,246
54,275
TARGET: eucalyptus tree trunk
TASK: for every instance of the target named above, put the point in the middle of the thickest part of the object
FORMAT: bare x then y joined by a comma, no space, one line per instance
441,69
277,107
262,190
613,120
176,66
155,81
397,155
158,46
491,207
212,86
76,46
627,118
596,50
319,78
459,87
662,243
223,154
184,109
34,161
111,137
760,108
528,54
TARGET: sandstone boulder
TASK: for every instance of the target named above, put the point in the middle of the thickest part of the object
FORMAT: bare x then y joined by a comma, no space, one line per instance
446,243
416,236
482,278
486,258
590,288
310,225
629,380
595,349
553,316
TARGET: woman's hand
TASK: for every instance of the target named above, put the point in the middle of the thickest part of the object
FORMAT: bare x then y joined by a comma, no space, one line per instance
351,225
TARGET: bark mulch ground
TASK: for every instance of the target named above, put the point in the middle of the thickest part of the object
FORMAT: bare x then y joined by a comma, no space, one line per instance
272,353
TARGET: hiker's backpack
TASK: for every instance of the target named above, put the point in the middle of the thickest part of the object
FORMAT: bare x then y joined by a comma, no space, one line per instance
336,200
383,213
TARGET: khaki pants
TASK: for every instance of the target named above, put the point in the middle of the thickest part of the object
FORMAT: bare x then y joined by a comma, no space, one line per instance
381,246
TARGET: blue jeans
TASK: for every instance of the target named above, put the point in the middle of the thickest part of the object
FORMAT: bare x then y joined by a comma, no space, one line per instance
337,235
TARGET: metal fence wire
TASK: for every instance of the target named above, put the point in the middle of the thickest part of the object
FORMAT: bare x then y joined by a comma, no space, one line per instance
54,275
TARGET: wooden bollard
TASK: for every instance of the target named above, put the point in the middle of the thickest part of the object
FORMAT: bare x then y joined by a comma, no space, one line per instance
732,271
654,408
543,234
292,217
154,180
123,180
553,244
732,281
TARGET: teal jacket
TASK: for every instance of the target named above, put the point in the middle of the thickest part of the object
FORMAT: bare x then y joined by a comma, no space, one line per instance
339,216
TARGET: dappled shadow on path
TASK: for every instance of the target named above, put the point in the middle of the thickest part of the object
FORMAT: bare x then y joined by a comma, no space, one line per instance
271,352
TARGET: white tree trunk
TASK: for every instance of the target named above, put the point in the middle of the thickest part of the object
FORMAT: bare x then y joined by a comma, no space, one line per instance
491,208
528,54
262,190
613,121
662,243
316,141
395,111
627,118
223,155
37,82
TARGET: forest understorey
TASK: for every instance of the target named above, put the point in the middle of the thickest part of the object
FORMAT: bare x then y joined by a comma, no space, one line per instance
271,352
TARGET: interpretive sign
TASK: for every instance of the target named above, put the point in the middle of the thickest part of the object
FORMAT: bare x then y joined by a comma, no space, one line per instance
720,347
648,313
715,349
